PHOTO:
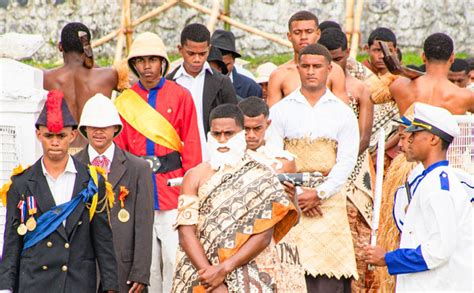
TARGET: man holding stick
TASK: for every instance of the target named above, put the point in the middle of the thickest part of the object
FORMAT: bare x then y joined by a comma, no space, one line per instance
436,244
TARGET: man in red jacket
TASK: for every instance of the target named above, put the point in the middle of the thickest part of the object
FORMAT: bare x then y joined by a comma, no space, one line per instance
159,124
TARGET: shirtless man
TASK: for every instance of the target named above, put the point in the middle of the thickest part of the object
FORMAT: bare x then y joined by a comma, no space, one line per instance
74,79
459,73
359,94
303,29
434,88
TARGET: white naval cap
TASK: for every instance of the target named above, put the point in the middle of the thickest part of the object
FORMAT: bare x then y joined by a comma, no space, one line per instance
436,120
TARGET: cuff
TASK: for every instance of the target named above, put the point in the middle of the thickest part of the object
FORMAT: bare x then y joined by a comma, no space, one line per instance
405,260
188,210
324,192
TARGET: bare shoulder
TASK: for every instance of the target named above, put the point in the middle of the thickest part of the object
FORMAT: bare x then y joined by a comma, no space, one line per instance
400,84
106,73
195,177
52,77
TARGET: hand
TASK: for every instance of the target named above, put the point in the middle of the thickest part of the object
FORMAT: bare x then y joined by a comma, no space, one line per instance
313,212
289,189
136,287
309,202
212,276
222,288
374,255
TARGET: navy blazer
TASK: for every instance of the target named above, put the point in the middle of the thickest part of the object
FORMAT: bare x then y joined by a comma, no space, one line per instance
244,86
66,260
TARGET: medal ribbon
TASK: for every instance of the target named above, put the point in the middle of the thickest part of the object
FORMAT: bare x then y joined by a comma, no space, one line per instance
31,205
22,207
122,195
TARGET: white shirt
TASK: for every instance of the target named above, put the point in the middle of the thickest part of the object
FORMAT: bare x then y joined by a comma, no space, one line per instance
63,186
109,153
243,71
294,117
438,225
195,85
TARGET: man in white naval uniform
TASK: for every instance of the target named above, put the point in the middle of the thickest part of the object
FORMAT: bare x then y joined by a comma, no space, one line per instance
436,244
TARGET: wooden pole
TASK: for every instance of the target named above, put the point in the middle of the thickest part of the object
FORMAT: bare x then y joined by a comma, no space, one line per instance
239,25
227,13
136,22
356,32
121,35
211,24
127,24
349,19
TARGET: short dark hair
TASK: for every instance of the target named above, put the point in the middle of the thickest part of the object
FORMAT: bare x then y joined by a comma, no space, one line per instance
195,32
228,111
333,38
459,65
302,15
316,49
254,106
470,61
382,34
70,39
329,24
438,47
444,144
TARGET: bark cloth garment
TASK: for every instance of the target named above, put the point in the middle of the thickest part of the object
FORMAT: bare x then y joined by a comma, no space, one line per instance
234,204
324,242
359,191
292,271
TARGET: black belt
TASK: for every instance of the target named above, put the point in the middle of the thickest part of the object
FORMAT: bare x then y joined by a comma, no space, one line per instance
164,164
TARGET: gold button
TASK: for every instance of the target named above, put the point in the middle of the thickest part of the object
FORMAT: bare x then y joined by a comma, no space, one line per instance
49,244
44,268
66,245
64,268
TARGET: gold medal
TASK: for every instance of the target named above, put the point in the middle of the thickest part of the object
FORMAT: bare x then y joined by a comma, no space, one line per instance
123,215
21,230
31,224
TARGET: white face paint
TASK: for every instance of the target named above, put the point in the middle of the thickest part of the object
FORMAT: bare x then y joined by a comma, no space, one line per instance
234,155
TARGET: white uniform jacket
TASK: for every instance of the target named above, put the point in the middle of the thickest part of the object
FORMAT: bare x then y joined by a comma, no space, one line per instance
436,243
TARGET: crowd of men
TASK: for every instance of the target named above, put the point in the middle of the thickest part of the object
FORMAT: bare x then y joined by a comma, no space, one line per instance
97,213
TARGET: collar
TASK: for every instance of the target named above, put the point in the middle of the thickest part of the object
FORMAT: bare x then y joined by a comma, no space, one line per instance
425,172
297,96
182,72
109,153
70,167
157,87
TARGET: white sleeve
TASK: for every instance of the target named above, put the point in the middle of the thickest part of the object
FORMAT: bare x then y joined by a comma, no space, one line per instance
346,157
439,217
276,132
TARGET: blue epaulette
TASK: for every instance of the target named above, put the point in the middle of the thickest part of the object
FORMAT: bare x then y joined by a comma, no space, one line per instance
444,181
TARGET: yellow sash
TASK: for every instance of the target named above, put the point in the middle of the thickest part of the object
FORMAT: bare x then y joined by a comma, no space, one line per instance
146,120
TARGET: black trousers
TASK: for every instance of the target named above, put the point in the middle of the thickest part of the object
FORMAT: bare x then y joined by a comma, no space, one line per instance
324,284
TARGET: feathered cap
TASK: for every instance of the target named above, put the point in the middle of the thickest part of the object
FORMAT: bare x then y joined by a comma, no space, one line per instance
55,114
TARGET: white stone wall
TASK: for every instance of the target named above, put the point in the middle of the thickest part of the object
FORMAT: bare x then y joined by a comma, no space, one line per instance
412,20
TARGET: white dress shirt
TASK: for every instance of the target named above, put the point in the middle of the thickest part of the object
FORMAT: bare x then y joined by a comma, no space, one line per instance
63,186
294,117
109,153
195,85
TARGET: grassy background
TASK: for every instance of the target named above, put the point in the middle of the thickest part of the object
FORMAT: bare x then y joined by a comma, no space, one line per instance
408,58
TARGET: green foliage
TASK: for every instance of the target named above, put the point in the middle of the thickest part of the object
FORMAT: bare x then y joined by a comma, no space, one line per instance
254,62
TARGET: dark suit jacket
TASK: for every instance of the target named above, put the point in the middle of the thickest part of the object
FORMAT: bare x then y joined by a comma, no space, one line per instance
218,89
65,261
245,87
133,239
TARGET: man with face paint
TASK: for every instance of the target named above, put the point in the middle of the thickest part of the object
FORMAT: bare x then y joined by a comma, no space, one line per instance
160,124
230,209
